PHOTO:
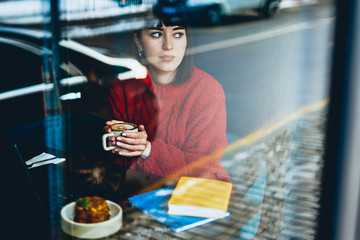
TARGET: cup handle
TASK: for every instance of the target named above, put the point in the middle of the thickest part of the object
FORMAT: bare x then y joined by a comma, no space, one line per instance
106,135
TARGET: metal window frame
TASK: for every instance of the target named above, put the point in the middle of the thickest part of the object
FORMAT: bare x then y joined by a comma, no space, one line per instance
340,196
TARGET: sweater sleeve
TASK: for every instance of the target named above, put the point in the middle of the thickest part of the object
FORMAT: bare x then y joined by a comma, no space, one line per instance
200,154
132,101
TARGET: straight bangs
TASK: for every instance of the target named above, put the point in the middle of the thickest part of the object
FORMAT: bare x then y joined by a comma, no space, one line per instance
170,15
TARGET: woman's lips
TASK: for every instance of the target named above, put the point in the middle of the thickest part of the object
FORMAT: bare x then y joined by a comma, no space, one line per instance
167,58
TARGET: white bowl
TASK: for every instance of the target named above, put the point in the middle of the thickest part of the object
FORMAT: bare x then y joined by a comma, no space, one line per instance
91,230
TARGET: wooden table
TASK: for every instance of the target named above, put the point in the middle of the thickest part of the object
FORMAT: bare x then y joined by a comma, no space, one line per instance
137,225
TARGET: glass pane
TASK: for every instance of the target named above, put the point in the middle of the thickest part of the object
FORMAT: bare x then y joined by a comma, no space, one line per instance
234,91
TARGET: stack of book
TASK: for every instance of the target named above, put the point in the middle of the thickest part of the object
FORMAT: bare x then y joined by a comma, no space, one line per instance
193,202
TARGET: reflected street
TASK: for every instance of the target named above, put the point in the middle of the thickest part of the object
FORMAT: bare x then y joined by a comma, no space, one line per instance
269,68
263,76
274,71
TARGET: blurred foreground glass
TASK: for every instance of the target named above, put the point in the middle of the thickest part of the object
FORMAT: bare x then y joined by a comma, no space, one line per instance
274,72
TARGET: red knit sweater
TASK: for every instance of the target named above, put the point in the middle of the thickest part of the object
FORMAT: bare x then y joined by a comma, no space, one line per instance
186,124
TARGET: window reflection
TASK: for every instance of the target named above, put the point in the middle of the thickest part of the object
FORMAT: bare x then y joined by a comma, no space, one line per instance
268,103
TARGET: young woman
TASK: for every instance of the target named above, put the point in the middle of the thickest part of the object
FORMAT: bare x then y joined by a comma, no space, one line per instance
180,110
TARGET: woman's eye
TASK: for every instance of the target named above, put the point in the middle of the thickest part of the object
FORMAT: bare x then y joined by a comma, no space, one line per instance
178,35
155,34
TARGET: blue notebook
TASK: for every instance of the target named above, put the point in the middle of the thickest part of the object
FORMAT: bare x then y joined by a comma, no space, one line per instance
154,204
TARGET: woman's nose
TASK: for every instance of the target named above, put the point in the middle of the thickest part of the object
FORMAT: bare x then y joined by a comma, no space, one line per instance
167,43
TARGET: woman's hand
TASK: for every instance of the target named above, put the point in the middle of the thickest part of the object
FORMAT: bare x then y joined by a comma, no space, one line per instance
111,140
135,142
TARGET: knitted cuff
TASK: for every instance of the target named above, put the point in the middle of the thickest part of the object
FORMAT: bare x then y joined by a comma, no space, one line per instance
147,151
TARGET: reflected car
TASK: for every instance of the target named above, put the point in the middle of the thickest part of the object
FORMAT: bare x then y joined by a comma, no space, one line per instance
213,11
85,75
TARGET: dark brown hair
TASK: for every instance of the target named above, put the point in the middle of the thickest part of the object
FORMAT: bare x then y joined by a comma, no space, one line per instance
169,16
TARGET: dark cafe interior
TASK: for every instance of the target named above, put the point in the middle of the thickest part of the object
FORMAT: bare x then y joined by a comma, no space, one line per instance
180,119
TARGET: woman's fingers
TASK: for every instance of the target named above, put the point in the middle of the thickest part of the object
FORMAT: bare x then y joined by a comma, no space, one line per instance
133,142
127,153
134,135
111,141
130,154
112,122
130,147
141,128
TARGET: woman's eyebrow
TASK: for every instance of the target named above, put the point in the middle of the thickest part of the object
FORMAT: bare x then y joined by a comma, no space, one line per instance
162,29
178,28
156,28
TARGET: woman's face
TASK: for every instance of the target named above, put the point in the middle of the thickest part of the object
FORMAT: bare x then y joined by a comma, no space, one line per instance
164,47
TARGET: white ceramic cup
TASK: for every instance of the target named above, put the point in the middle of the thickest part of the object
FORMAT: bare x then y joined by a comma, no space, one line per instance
116,130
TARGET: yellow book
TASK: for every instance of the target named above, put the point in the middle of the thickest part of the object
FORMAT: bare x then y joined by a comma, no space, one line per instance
199,197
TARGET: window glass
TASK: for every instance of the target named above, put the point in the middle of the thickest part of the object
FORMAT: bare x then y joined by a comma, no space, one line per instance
23,108
234,91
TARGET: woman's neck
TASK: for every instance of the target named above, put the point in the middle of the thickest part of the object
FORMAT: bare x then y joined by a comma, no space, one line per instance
162,78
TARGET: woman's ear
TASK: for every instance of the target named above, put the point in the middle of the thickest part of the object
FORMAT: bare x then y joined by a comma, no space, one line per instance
137,42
